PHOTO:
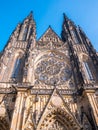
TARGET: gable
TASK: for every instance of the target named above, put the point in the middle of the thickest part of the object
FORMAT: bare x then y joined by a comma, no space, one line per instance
50,37
57,108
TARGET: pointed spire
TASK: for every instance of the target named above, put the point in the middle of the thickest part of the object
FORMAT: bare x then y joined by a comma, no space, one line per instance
65,19
65,28
28,27
65,16
30,15
68,21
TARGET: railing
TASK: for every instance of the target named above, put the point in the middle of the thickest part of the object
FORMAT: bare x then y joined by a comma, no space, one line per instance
20,44
49,91
80,48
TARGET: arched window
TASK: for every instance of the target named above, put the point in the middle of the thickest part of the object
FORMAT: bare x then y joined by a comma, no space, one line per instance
25,34
16,68
87,70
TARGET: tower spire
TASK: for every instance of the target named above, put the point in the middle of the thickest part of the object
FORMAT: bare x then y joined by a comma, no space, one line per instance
27,28
65,28
30,16
70,30
65,17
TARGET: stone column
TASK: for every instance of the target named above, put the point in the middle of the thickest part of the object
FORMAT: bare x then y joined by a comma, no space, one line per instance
94,104
18,110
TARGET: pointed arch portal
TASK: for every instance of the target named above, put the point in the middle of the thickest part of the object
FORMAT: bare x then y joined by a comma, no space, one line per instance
58,120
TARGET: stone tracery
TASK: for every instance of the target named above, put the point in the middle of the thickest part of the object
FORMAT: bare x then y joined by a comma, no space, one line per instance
53,69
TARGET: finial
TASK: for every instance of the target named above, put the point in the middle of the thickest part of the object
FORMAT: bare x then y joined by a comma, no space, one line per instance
30,14
49,26
65,16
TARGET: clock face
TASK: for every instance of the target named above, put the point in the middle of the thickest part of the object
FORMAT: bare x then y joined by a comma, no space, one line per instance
52,70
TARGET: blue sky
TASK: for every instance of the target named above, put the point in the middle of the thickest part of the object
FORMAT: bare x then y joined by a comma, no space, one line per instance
49,12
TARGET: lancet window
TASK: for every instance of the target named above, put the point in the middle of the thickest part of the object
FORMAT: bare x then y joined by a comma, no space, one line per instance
16,68
25,34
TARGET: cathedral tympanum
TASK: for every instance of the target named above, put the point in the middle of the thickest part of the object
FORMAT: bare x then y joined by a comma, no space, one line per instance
50,83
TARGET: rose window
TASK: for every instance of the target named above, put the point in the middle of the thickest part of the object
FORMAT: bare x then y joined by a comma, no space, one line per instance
52,70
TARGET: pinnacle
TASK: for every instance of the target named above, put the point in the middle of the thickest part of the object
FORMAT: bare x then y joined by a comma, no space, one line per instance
49,26
30,14
30,17
65,16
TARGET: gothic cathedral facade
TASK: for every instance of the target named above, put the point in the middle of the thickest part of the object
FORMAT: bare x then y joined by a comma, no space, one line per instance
50,83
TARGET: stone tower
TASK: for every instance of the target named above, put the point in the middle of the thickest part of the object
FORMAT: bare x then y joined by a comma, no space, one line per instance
50,83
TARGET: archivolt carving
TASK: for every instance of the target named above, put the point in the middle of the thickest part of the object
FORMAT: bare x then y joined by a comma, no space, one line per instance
58,119
4,125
